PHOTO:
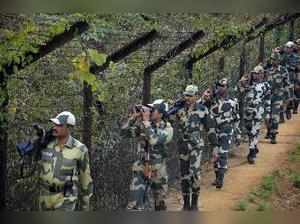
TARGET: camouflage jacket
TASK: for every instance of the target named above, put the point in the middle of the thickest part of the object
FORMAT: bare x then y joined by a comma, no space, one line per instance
225,111
258,95
192,124
278,79
68,163
151,135
291,61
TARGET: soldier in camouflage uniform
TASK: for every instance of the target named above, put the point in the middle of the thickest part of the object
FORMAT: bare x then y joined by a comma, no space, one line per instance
65,179
193,119
277,76
225,112
153,133
291,62
257,102
297,81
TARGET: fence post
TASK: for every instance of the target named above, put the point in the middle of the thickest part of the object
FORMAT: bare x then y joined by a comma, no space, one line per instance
261,55
292,30
4,99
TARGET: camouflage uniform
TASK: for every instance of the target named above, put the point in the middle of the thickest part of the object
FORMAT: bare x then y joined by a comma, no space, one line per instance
257,102
225,111
155,137
297,93
192,123
291,61
60,166
278,80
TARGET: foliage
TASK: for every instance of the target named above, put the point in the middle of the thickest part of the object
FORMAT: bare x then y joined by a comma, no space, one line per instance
55,82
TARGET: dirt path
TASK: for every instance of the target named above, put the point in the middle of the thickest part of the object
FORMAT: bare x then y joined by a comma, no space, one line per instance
241,177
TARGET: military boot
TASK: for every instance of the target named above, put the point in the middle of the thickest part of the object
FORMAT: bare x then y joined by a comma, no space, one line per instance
194,206
281,120
288,114
295,109
273,139
160,206
251,156
186,202
220,178
268,134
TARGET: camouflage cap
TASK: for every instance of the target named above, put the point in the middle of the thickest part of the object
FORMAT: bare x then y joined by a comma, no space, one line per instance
64,118
258,69
160,105
222,82
289,44
191,90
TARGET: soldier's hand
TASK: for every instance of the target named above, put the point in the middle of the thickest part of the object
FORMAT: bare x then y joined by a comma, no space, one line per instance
268,116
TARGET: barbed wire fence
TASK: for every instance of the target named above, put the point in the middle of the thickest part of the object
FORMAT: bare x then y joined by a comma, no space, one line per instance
112,156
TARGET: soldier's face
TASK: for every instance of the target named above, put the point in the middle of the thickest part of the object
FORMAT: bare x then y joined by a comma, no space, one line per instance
60,130
155,115
190,99
289,49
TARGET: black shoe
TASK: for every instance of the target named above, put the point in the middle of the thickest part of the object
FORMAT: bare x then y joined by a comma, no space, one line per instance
273,139
288,114
251,157
267,135
220,178
186,202
194,206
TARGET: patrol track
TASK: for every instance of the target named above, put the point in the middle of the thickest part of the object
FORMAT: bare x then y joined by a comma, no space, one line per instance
241,177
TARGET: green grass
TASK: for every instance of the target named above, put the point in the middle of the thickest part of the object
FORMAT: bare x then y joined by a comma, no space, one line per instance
295,177
242,206
263,206
259,198
294,156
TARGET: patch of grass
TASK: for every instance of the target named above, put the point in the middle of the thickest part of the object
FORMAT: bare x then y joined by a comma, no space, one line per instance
242,206
263,206
266,188
294,156
295,177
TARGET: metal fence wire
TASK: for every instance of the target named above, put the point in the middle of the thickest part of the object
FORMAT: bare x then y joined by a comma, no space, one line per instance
42,97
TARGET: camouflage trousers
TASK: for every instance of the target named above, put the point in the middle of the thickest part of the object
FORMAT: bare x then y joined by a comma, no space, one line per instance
56,201
253,121
158,184
224,135
190,167
276,105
